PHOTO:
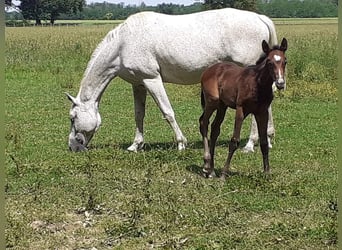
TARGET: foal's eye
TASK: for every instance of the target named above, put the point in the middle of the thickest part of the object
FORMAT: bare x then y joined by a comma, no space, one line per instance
285,61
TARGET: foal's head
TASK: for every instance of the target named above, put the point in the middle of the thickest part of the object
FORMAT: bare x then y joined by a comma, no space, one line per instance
276,61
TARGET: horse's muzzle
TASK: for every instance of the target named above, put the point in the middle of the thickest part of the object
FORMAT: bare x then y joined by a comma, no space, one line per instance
77,143
280,84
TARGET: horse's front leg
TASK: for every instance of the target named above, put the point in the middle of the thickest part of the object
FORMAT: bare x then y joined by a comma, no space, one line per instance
139,93
234,141
157,91
262,120
254,135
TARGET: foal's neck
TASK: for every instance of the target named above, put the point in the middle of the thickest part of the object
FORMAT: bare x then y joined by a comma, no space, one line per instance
264,78
264,84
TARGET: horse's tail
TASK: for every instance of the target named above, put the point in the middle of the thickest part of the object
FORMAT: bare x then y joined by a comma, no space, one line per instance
271,28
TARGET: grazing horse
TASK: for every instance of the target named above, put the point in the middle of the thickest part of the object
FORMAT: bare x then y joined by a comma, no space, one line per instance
246,89
149,49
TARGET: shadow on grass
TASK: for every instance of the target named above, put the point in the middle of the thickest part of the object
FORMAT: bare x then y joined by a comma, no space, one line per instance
198,170
161,146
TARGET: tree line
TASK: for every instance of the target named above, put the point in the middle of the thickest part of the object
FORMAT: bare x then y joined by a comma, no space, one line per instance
51,10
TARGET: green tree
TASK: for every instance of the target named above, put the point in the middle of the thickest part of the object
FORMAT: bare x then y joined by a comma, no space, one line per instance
166,8
49,9
238,4
298,8
108,16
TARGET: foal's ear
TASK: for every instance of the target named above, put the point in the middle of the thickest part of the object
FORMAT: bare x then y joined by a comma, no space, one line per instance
283,45
265,47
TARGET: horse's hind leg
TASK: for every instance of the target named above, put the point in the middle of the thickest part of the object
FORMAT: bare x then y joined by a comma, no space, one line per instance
139,93
216,129
157,91
234,141
254,136
270,127
208,167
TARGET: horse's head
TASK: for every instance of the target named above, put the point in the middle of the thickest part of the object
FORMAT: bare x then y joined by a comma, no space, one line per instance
276,60
85,120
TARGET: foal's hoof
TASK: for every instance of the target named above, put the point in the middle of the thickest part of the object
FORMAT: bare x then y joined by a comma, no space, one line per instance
267,171
207,174
223,177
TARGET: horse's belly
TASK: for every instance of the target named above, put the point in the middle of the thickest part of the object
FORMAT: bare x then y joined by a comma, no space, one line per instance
187,69
181,76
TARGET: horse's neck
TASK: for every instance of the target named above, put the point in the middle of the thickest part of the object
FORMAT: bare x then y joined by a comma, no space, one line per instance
101,69
93,85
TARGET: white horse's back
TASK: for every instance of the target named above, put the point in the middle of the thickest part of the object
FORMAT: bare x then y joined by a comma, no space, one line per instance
187,44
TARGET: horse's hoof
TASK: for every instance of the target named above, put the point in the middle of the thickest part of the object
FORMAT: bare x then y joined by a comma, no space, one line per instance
132,148
181,146
248,149
135,147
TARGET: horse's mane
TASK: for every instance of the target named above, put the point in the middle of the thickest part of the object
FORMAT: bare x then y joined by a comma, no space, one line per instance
111,35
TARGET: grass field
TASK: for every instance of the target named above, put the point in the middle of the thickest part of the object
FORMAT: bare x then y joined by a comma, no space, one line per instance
107,198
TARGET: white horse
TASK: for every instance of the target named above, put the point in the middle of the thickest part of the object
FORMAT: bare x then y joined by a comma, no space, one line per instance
150,48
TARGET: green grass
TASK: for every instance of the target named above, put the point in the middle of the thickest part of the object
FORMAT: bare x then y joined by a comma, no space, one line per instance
108,198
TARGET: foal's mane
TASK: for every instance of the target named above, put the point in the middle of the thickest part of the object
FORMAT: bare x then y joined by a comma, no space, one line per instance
263,56
261,62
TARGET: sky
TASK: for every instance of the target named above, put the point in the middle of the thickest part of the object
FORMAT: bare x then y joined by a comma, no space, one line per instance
138,2
147,2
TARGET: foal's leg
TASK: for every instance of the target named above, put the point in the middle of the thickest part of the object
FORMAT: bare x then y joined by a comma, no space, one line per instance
215,131
254,136
157,90
208,167
139,93
262,120
234,141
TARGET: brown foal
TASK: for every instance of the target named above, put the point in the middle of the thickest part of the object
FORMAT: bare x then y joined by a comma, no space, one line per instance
246,89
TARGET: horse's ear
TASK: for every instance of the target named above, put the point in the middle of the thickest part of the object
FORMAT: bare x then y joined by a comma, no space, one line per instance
72,99
283,45
265,47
